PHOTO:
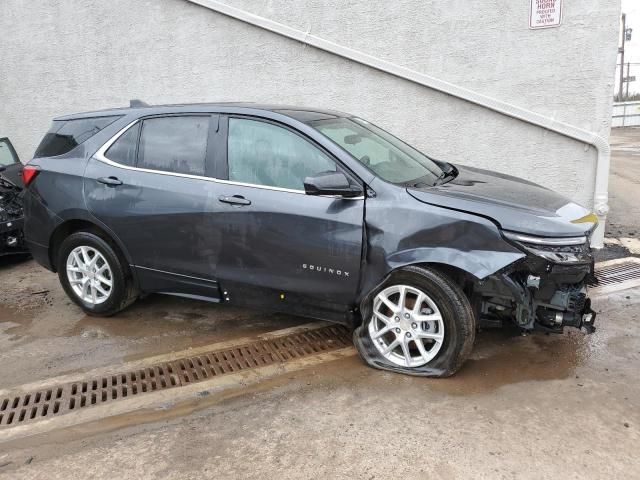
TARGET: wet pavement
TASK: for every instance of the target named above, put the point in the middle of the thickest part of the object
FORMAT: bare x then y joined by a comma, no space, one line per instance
624,184
522,407
43,334
535,406
38,321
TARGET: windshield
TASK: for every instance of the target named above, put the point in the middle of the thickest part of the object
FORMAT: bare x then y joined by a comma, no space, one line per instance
388,157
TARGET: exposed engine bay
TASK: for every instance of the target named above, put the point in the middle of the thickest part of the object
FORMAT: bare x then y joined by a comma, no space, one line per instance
546,291
11,219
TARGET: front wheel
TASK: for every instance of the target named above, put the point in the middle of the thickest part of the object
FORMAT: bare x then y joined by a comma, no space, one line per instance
418,322
93,275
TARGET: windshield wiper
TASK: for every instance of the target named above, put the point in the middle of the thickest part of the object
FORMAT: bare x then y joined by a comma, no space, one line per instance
446,175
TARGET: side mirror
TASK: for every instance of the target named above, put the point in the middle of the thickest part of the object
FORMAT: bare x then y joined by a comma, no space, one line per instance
331,183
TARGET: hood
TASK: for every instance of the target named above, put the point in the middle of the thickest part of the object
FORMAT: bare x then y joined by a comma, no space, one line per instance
515,204
12,173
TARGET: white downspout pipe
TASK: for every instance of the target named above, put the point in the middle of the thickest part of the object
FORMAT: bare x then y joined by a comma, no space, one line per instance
600,197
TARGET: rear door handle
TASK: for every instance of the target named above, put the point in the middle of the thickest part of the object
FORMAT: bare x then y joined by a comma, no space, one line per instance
234,200
110,181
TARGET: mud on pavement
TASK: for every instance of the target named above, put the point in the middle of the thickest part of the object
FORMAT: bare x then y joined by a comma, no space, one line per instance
523,406
42,334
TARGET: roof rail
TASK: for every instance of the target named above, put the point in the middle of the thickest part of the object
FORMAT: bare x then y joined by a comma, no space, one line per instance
135,103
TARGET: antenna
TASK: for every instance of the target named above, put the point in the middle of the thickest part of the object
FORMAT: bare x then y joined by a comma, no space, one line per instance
135,103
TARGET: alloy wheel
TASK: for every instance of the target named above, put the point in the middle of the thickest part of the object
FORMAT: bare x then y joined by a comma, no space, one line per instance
89,275
406,326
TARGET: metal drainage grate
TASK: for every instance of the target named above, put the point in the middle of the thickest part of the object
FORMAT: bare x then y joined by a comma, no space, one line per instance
619,273
69,397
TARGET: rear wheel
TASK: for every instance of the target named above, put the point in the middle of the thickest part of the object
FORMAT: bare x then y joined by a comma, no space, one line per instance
417,322
93,275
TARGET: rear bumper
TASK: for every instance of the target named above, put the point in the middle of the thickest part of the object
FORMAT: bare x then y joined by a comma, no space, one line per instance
40,254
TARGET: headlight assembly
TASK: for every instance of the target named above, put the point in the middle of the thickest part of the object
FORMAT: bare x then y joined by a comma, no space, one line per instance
556,250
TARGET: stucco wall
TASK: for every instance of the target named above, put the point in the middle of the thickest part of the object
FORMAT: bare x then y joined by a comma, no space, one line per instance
63,56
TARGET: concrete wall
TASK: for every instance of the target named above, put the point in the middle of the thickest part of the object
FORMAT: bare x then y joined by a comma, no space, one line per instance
63,56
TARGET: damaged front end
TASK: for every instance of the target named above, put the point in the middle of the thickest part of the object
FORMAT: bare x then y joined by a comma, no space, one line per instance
547,290
11,219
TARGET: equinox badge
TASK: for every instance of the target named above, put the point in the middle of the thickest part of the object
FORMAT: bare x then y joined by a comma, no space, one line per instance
331,271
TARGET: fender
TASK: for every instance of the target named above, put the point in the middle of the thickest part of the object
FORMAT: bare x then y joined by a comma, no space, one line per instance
73,215
420,233
479,264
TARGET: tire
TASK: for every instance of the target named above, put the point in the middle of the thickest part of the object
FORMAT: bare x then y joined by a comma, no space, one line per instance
119,295
443,322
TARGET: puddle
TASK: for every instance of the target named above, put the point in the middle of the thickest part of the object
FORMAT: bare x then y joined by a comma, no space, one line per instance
504,357
158,316
166,324
500,357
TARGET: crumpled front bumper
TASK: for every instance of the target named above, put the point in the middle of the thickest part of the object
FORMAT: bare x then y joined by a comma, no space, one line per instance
562,299
588,319
538,295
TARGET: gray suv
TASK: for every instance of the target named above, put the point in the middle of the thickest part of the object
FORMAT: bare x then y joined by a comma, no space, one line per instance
310,212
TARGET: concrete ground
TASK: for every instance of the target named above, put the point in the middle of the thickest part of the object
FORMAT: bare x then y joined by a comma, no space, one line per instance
540,406
43,334
624,183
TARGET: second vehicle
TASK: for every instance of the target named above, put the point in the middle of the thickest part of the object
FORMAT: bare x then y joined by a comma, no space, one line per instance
11,214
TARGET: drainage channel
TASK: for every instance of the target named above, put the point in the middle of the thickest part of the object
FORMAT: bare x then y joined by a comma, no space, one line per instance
73,396
618,273
615,275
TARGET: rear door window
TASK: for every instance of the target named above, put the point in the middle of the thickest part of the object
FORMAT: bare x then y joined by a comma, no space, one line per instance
174,144
65,135
124,149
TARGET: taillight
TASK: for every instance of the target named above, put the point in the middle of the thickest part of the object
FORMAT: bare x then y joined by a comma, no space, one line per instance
29,172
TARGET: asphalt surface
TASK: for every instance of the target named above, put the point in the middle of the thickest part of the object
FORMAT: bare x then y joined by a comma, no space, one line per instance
538,406
624,184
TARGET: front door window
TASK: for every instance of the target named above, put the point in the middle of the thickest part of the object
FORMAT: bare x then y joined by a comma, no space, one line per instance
260,153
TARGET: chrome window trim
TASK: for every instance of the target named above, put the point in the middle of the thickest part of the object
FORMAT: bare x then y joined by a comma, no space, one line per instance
558,241
100,156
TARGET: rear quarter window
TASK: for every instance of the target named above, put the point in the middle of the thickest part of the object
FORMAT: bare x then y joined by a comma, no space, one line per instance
124,149
65,135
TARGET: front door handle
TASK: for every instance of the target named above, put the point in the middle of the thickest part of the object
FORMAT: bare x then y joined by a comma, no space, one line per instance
110,181
234,200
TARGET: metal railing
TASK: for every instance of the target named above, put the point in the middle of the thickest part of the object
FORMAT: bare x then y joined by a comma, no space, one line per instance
626,114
